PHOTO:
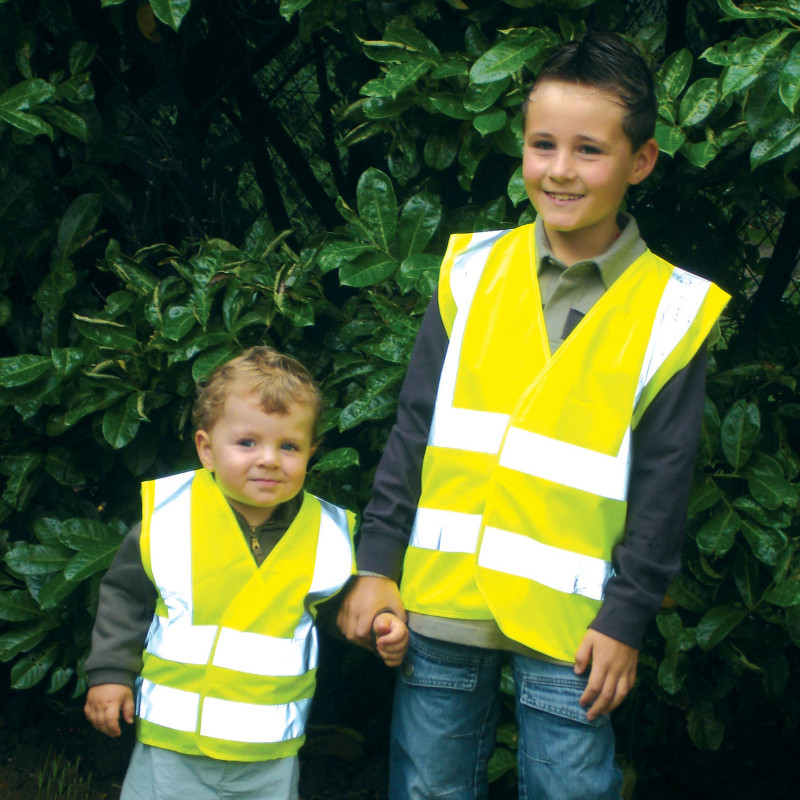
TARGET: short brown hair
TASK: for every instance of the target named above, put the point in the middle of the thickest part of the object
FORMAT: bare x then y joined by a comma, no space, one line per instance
277,379
607,62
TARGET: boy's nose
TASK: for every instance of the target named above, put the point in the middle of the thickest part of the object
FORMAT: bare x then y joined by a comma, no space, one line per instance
267,456
561,166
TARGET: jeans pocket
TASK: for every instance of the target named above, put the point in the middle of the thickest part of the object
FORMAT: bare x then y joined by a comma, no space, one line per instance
559,696
438,666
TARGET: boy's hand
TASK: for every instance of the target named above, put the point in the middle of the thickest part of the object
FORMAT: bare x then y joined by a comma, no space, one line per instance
613,672
368,595
103,705
391,638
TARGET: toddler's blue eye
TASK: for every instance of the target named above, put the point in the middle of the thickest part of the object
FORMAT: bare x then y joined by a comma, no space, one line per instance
289,446
246,443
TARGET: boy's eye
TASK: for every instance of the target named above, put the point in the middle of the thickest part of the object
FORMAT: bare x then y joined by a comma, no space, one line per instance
289,446
543,144
246,443
590,150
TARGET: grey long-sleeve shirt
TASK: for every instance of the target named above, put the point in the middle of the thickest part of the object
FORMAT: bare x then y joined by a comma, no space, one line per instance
664,448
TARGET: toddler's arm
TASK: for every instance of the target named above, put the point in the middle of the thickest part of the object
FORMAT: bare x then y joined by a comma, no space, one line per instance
104,702
391,637
612,675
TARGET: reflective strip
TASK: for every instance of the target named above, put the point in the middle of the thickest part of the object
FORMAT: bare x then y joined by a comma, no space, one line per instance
678,309
562,570
334,552
174,638
446,531
462,428
171,708
222,719
568,464
257,654
246,722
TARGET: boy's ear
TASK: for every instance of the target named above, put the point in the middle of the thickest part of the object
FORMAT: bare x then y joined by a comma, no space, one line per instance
203,444
644,161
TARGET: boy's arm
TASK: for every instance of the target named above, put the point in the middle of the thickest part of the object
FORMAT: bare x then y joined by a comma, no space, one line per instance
125,609
648,558
389,516
391,636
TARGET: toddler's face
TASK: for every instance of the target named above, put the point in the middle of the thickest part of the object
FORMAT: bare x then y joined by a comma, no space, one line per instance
259,460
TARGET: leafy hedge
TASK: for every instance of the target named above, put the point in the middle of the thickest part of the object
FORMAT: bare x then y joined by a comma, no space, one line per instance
104,337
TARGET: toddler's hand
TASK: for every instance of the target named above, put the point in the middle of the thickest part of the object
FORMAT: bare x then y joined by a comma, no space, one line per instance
104,703
391,638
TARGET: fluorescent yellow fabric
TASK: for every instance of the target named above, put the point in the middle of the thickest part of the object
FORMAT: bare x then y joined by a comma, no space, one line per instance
229,634
553,489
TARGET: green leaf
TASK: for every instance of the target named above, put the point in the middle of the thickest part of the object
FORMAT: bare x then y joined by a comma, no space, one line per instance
789,80
699,101
501,761
35,559
793,623
785,594
689,594
77,225
24,96
171,12
703,495
209,360
31,669
377,206
384,107
490,121
419,271
107,333
21,370
341,458
739,431
67,360
705,730
370,405
672,671
134,275
22,639
17,606
481,96
675,72
90,560
178,320
406,73
716,624
771,519
419,220
767,484
745,575
59,678
669,138
766,543
783,137
716,536
121,422
506,57
55,590
68,121
440,151
368,269
749,60
81,54
451,105
288,8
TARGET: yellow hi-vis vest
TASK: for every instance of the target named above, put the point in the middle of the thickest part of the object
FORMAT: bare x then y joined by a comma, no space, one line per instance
525,476
230,659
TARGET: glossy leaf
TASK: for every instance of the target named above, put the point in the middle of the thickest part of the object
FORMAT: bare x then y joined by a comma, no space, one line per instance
377,206
367,270
77,224
121,422
24,369
716,536
766,543
699,101
705,729
506,57
341,458
31,669
171,12
738,433
789,80
675,72
717,624
783,138
108,334
786,593
22,639
17,606
419,220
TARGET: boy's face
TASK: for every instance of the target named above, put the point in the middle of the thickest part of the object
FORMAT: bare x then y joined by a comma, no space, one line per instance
258,459
577,164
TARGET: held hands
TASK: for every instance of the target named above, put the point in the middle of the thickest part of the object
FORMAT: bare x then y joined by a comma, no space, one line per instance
390,634
368,595
612,675
104,703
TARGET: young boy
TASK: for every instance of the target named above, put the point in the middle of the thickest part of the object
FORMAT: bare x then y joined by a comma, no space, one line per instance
209,605
534,487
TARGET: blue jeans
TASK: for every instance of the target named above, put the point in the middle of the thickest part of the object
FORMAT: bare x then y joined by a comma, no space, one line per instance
446,707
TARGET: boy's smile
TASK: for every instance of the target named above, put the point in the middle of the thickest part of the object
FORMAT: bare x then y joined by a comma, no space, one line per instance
577,164
258,459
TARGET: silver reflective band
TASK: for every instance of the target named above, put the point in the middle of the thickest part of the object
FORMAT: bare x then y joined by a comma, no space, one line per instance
171,708
683,295
245,722
568,464
446,531
334,552
461,428
222,719
562,570
256,654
